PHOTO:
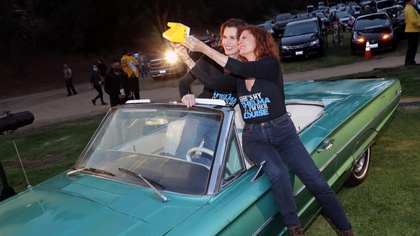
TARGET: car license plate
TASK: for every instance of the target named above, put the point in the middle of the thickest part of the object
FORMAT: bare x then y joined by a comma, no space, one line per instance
162,71
299,53
374,45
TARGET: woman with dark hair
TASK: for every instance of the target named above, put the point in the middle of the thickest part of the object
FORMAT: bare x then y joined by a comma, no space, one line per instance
206,71
269,134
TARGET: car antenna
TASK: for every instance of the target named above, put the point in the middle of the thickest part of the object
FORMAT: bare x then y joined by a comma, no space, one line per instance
21,164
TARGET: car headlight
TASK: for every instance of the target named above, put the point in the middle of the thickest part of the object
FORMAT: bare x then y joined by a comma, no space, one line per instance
358,39
315,42
285,47
361,40
171,56
387,36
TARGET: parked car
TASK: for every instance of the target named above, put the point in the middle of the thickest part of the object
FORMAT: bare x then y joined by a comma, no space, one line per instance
303,38
281,22
268,25
166,63
324,19
377,29
128,180
345,18
388,6
398,23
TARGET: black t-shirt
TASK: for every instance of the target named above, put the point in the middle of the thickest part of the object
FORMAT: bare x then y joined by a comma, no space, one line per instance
266,99
208,72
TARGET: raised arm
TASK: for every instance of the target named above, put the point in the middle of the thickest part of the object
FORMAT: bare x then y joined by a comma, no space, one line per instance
184,84
197,45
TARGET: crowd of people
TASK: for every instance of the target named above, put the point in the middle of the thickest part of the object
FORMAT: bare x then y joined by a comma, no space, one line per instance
121,82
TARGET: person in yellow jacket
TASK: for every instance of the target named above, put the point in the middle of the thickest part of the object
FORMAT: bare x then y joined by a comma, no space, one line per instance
412,30
131,67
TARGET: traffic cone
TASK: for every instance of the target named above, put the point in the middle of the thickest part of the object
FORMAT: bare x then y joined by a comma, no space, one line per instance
368,54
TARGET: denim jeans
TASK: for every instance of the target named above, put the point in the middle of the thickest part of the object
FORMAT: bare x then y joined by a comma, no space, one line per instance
277,143
197,129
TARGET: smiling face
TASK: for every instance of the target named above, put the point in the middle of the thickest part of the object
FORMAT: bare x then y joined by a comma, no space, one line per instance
230,42
247,44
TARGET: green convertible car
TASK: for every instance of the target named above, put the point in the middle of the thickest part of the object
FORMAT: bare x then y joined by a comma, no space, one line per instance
131,179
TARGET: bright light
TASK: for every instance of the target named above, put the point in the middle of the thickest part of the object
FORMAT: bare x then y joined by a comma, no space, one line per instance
386,36
171,56
361,40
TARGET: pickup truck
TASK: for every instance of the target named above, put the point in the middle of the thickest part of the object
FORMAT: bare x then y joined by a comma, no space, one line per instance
166,64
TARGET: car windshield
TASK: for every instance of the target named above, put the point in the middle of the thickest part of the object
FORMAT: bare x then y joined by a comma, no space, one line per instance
300,29
161,144
371,23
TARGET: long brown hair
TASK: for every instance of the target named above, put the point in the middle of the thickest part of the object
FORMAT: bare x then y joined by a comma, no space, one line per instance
265,45
232,23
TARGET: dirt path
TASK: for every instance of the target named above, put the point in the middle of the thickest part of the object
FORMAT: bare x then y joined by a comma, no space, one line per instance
54,107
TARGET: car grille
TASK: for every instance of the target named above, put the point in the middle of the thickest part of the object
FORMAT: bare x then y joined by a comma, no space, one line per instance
305,45
160,67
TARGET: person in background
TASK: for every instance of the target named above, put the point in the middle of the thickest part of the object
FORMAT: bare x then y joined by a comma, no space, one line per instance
116,85
95,82
412,30
131,67
68,77
269,133
102,70
144,67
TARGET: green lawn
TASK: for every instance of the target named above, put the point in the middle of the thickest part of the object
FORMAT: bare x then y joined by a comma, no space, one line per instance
386,203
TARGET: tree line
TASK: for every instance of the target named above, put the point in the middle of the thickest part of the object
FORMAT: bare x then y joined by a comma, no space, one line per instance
91,26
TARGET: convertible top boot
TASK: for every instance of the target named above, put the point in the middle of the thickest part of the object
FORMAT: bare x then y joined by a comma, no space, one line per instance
295,230
347,232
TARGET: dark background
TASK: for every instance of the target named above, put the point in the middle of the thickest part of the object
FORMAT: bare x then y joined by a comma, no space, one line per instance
38,36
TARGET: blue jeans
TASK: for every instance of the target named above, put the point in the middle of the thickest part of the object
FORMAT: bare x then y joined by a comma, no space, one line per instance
196,129
277,143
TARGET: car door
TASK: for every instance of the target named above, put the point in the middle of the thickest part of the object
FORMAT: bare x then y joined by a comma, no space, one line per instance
245,198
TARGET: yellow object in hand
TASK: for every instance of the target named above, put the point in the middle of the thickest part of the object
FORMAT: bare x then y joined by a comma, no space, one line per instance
176,33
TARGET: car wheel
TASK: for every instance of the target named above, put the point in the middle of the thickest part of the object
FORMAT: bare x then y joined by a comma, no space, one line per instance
360,169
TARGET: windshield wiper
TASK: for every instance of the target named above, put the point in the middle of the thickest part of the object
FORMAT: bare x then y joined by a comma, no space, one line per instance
90,169
149,182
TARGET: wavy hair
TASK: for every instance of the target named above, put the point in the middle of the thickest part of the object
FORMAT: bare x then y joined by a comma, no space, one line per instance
232,23
265,45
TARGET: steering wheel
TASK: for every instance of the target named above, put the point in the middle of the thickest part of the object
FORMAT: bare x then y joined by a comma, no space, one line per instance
193,150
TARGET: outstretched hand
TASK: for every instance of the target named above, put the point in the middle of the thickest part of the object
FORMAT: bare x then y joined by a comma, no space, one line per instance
188,100
195,44
180,50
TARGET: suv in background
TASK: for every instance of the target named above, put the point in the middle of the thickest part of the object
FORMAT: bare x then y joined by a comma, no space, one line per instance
166,63
303,38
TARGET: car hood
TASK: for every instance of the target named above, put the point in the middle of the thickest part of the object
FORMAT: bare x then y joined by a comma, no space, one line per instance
299,39
70,206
